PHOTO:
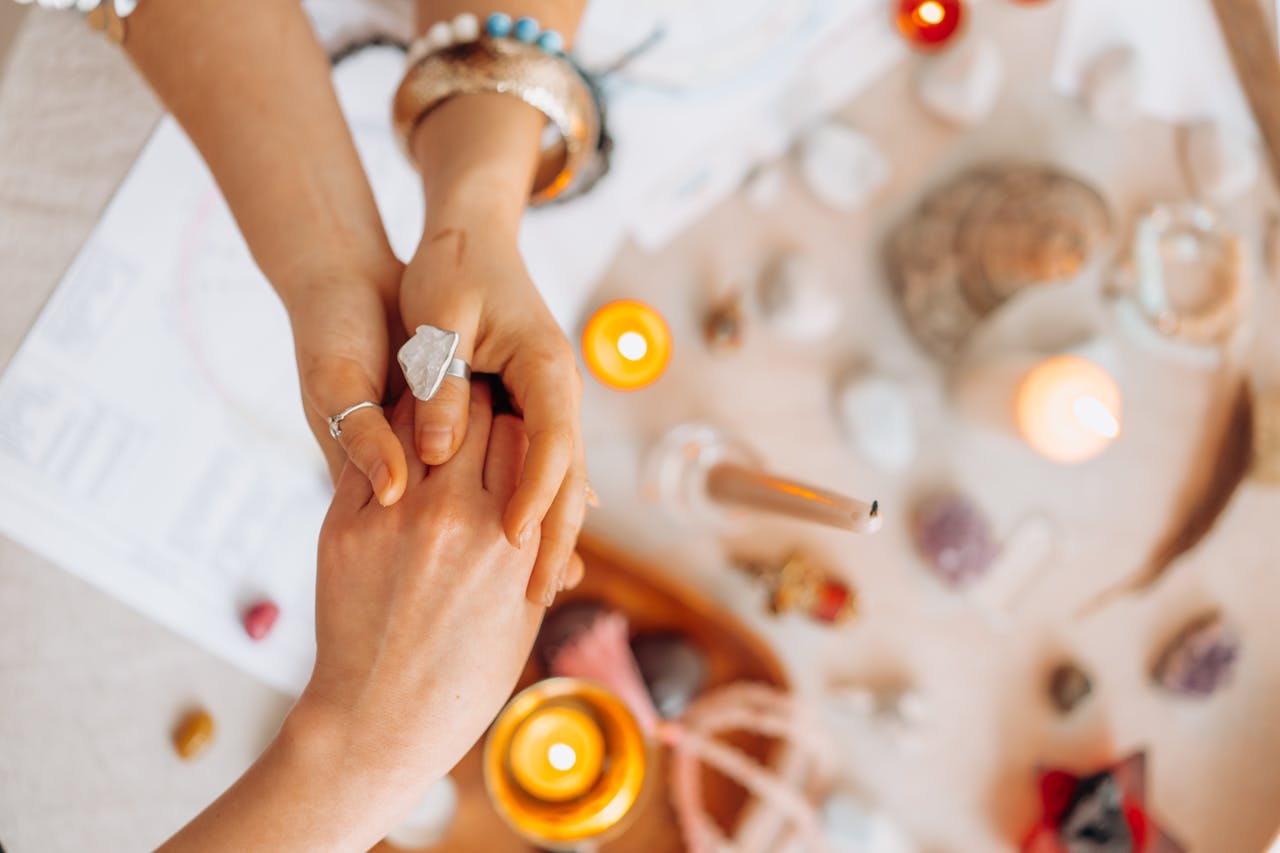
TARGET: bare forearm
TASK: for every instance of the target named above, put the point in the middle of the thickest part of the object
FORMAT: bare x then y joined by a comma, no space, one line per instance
478,153
252,88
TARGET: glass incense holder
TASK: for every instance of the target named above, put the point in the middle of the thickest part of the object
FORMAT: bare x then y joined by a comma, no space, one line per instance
703,474
565,763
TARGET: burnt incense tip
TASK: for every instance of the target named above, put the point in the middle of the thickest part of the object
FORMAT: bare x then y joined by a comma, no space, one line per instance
875,509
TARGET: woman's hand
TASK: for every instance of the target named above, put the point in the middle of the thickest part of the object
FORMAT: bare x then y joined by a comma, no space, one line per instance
477,154
422,630
344,331
421,625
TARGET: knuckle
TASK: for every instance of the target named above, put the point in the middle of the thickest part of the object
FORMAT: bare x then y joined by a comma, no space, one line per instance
363,447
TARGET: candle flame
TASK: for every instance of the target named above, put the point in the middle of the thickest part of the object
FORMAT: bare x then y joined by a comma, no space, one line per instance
632,346
1094,416
562,757
930,13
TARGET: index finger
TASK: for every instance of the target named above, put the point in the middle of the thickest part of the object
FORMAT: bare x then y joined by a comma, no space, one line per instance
549,402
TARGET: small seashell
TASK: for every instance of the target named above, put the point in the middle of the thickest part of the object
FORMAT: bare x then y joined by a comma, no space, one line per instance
1110,86
955,539
961,86
876,414
1069,686
724,325
1220,163
674,670
796,300
1200,659
842,168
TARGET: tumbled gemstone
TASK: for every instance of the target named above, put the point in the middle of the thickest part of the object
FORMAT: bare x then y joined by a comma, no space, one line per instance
193,734
674,670
954,538
1200,659
260,619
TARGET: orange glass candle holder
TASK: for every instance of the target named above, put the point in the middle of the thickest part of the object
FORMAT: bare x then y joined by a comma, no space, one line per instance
929,24
626,345
565,763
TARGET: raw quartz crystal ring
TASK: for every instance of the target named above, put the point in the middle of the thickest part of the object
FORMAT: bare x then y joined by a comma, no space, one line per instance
101,15
428,357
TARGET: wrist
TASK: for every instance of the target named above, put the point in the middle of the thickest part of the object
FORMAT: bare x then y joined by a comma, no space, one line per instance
478,155
298,277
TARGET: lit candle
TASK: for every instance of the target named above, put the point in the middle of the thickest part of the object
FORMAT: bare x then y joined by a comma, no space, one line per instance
929,24
565,762
557,753
626,345
1068,409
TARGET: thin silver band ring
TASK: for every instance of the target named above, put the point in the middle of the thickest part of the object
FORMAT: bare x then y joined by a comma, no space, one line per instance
335,422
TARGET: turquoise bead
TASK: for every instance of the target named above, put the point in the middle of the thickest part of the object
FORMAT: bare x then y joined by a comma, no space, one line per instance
525,30
498,25
551,41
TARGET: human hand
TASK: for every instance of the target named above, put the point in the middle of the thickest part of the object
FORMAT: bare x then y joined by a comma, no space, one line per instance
344,328
422,629
468,277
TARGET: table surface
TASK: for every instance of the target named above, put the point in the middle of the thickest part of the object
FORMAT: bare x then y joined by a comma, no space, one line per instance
91,688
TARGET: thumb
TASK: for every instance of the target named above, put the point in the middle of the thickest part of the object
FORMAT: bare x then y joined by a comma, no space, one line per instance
440,423
365,435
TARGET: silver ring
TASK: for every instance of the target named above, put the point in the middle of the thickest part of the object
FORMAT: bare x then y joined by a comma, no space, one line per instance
428,357
335,422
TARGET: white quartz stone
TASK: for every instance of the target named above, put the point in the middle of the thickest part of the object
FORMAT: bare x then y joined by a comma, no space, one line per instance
1221,162
796,299
962,84
425,357
876,415
429,820
439,35
850,826
1110,86
842,167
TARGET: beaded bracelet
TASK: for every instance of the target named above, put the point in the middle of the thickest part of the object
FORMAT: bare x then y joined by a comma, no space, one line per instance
517,58
101,15
466,28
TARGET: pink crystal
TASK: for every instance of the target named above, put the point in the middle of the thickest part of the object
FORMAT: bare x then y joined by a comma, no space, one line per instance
954,538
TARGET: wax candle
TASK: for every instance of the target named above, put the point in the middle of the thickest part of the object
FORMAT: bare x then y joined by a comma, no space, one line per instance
626,345
557,753
565,762
1068,409
928,24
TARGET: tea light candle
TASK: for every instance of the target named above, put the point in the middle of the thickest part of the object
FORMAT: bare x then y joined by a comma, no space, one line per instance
928,24
565,762
557,753
1068,409
626,345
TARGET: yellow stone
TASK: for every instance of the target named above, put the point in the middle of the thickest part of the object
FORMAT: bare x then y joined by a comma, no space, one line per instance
193,734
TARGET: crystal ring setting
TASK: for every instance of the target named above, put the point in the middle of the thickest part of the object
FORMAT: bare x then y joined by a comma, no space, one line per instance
335,422
428,357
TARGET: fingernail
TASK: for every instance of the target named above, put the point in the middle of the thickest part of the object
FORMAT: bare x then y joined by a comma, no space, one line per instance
593,500
434,441
526,533
549,596
381,481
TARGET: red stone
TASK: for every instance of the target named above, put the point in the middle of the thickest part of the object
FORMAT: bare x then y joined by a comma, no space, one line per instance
831,602
929,24
260,619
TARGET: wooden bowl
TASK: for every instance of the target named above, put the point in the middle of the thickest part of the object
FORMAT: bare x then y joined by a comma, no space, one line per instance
652,602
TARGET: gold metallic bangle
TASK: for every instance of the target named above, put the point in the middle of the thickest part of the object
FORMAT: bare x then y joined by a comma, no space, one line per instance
545,81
